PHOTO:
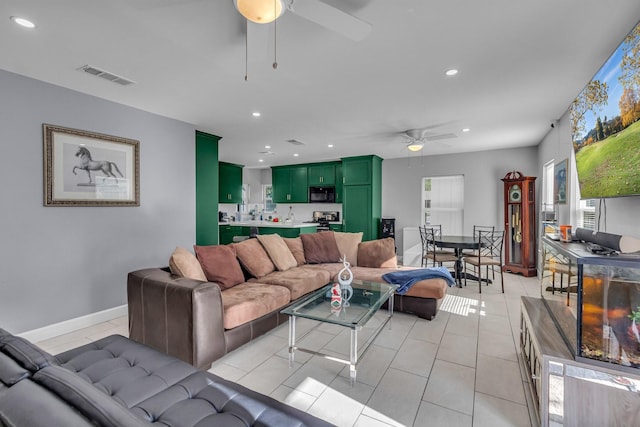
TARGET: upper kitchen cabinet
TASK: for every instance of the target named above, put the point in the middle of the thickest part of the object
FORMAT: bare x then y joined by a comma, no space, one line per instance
230,183
290,184
322,174
359,170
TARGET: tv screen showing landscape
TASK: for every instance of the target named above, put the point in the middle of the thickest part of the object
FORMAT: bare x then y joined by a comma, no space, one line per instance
605,125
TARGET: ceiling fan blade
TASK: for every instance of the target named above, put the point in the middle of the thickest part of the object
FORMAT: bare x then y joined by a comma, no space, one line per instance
155,4
331,18
440,136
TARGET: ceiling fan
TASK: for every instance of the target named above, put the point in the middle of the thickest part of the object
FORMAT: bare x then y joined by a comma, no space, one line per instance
262,12
334,19
416,138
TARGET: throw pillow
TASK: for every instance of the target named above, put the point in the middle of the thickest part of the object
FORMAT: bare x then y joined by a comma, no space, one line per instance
296,248
320,247
379,253
254,258
220,265
348,245
278,251
185,264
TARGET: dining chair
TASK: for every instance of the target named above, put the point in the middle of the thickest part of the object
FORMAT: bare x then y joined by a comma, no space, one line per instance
489,255
430,251
437,232
476,229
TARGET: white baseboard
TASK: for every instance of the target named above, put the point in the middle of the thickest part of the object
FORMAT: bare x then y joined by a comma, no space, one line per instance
71,325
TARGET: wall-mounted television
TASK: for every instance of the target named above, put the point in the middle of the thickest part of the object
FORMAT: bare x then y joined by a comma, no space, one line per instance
605,125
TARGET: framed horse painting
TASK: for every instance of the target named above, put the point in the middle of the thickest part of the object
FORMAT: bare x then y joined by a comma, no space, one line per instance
84,168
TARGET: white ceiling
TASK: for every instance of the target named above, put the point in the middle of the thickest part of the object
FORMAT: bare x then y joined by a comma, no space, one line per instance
521,64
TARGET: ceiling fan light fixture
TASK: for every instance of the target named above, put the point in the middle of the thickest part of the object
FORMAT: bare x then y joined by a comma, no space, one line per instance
415,146
260,11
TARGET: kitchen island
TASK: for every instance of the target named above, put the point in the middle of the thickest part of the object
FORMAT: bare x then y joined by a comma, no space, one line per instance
229,230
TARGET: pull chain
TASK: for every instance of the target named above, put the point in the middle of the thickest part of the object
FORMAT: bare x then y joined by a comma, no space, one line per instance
246,51
275,35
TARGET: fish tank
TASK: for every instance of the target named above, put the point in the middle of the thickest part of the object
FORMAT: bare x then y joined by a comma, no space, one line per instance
594,301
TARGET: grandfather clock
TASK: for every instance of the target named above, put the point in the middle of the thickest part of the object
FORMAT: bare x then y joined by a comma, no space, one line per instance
519,224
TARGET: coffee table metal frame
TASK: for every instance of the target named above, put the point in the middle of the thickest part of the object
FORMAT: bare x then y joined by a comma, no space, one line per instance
354,315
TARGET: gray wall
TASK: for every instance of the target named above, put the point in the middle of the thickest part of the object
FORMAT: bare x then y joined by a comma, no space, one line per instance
483,190
59,263
621,213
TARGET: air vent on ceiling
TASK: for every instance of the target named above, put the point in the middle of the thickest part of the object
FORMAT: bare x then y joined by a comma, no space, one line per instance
94,71
268,153
295,142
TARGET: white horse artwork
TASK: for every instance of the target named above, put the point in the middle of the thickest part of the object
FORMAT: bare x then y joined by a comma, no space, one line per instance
88,164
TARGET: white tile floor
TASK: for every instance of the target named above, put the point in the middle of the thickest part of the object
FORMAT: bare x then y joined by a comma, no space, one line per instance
460,369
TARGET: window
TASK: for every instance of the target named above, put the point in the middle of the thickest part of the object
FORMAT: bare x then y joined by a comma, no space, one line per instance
584,210
267,198
443,202
548,205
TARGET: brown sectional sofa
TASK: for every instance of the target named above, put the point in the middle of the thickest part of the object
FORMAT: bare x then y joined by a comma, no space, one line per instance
202,317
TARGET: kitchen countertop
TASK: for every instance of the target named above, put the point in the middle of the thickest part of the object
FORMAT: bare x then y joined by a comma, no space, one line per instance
278,224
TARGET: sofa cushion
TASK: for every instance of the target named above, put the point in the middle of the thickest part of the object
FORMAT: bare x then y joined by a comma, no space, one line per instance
377,253
254,258
185,264
320,247
299,280
89,400
29,404
10,372
25,353
295,246
251,300
220,265
348,245
278,251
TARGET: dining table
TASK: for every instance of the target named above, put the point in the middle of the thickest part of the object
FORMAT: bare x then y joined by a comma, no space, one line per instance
459,244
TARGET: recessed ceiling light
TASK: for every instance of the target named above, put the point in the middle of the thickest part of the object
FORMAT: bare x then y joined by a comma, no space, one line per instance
23,22
295,154
330,145
451,72
256,114
466,130
260,160
267,146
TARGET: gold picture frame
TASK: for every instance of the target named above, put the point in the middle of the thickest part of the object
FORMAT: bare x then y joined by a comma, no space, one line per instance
83,168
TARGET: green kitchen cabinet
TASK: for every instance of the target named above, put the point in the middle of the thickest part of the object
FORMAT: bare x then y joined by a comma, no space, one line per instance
206,188
335,227
228,232
339,183
322,174
230,183
358,170
289,184
362,195
287,232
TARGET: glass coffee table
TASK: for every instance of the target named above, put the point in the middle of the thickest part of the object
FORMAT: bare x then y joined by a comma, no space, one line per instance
365,301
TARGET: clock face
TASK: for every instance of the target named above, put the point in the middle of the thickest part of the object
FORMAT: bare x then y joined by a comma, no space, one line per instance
514,193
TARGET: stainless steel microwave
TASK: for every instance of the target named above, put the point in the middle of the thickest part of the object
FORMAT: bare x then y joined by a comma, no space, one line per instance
322,194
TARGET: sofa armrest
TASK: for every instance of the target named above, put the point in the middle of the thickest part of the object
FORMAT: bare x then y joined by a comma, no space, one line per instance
178,316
